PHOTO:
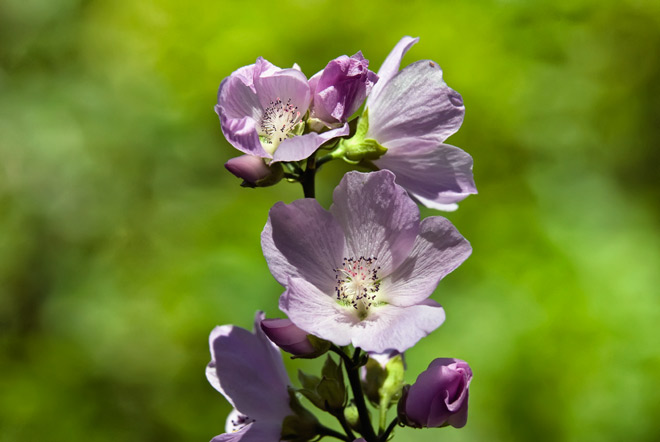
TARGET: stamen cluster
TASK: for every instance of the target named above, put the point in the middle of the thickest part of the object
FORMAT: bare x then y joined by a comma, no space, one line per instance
278,121
357,282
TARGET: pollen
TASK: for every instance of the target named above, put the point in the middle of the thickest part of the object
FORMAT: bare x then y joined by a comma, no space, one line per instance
357,283
278,121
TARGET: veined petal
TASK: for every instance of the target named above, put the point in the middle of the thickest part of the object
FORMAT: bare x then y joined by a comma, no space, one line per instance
303,240
415,103
438,250
377,217
242,134
390,66
301,147
389,327
434,174
285,85
236,99
317,312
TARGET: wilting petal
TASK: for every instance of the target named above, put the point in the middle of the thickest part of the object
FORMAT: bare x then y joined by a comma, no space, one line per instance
390,66
439,174
415,103
302,239
302,146
438,250
377,217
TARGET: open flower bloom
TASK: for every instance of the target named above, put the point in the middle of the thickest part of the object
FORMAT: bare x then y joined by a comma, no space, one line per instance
261,108
412,112
247,369
361,273
340,89
439,396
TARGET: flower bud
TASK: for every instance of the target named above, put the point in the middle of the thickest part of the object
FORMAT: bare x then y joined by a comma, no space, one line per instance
292,339
439,396
382,377
253,171
339,89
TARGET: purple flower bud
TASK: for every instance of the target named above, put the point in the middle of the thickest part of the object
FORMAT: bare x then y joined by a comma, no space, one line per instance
339,89
439,396
253,171
287,336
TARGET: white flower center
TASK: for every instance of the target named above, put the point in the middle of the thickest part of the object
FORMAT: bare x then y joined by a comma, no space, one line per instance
358,283
278,121
239,421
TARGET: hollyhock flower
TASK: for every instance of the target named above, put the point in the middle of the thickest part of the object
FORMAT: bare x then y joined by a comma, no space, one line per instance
247,369
411,113
340,89
261,108
439,396
361,272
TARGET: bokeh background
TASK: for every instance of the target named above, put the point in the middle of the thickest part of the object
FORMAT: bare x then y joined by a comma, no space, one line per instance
123,240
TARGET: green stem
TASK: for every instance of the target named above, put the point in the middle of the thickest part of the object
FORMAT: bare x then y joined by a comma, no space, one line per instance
308,177
387,432
344,424
366,428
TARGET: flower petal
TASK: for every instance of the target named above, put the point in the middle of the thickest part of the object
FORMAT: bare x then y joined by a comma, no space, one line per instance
242,134
236,99
317,312
437,175
377,217
390,66
249,372
301,147
438,250
302,239
254,432
285,85
416,103
389,327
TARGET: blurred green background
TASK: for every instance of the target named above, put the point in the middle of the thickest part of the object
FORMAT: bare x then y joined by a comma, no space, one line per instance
123,240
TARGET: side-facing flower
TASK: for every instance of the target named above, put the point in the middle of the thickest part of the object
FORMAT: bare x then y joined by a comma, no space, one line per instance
361,273
261,108
439,396
411,113
340,89
247,369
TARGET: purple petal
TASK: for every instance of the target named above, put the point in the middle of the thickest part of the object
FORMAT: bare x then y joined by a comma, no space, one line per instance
302,239
437,175
249,372
302,146
438,250
341,88
242,134
248,167
236,99
285,85
317,312
390,66
389,327
286,335
416,103
377,217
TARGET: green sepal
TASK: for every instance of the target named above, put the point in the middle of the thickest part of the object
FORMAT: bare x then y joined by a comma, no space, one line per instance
359,148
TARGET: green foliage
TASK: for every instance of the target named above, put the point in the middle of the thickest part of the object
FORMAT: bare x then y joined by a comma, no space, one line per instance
123,241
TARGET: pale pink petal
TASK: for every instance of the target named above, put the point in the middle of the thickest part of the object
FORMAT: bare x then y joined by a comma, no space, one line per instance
390,66
377,217
302,146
